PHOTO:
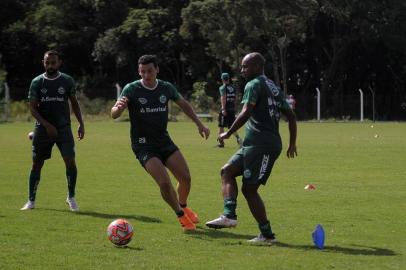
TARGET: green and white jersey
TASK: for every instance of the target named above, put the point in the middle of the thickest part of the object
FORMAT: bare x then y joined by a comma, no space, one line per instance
148,109
229,92
53,95
262,128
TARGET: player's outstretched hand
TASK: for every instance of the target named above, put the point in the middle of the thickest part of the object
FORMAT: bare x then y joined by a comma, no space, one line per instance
204,131
292,152
222,137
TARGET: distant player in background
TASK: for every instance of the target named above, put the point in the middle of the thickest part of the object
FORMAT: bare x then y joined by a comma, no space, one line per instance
147,102
228,99
263,102
48,95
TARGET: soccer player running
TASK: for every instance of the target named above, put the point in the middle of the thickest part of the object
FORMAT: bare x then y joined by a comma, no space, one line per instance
147,103
228,99
48,96
263,103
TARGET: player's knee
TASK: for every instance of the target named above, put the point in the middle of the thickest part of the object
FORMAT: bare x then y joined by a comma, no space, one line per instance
37,165
70,163
222,171
225,170
249,190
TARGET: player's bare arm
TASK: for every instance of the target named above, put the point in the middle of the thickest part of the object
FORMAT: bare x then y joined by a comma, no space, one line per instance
241,119
291,117
188,110
223,105
78,114
119,107
51,130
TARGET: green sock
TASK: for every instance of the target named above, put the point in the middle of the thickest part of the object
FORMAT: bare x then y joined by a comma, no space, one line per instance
230,205
33,184
71,175
266,230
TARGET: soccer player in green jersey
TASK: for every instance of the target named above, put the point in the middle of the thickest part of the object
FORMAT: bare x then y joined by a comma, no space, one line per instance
48,96
263,102
228,99
147,102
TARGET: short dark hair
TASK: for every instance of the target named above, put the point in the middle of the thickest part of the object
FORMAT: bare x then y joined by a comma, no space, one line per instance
52,52
147,59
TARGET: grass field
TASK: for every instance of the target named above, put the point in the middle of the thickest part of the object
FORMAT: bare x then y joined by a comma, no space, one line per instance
359,199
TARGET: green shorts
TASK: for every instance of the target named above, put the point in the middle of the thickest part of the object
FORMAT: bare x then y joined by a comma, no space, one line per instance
255,163
145,153
42,144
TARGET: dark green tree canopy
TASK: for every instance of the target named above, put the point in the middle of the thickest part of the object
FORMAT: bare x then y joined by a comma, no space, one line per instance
336,46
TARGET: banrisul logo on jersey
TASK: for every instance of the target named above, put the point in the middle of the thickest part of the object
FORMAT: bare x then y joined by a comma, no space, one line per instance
162,99
61,90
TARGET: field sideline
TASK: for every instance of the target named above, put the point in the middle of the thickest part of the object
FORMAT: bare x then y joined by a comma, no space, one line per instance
358,170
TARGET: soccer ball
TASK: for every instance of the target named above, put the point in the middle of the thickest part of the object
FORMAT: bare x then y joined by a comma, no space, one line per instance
120,232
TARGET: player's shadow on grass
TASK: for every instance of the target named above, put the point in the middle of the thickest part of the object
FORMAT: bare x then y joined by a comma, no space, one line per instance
203,233
358,250
140,218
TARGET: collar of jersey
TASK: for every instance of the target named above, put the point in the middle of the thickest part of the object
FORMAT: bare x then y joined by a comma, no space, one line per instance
149,88
51,79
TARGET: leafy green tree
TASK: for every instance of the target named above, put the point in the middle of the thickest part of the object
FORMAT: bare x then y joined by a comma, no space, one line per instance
152,30
278,24
220,25
342,27
233,28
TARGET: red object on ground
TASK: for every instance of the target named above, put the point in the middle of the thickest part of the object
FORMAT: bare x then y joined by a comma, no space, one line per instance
310,187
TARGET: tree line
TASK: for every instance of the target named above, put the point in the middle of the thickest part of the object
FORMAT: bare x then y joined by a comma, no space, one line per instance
337,46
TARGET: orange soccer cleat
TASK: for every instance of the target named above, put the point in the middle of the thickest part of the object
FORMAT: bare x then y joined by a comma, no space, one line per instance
186,223
191,215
